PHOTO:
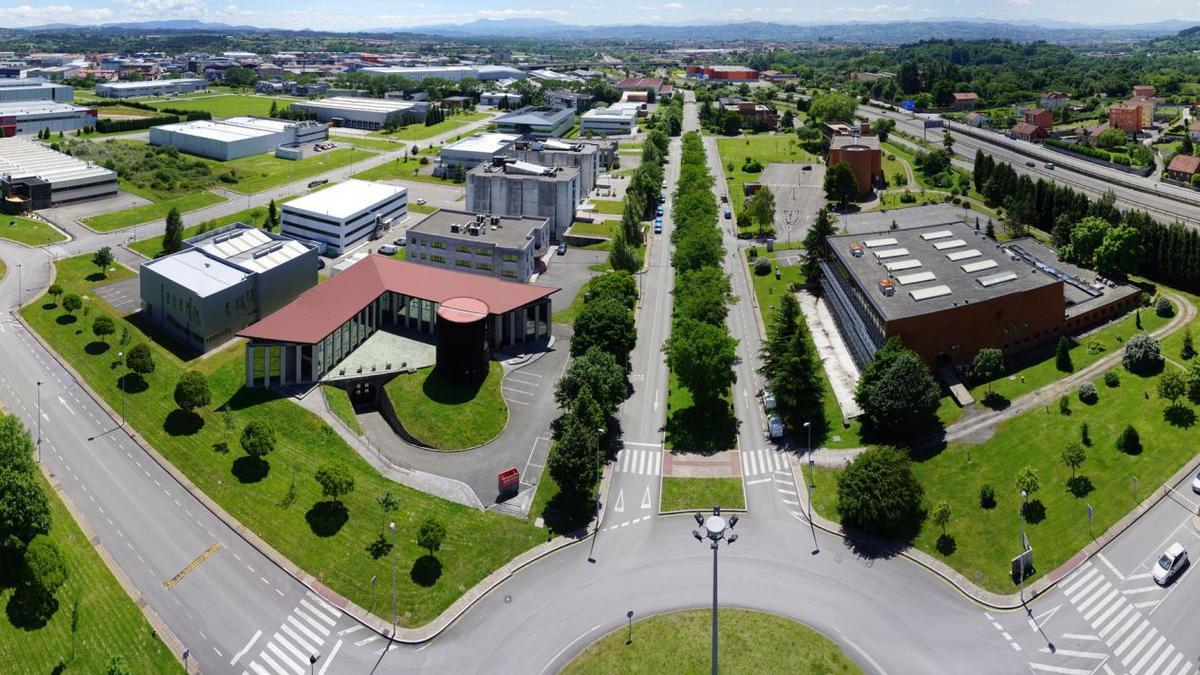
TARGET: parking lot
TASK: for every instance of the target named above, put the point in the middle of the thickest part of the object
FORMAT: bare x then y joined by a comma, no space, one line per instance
799,193
124,296
569,272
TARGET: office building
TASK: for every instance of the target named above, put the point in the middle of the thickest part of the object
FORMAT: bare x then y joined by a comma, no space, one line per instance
150,88
862,152
31,117
223,281
32,176
16,90
475,149
500,98
619,119
539,122
452,73
344,215
500,246
577,101
563,152
363,113
515,188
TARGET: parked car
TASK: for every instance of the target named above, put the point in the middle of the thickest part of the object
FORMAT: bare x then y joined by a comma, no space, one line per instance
659,210
724,199
1196,484
1050,165
658,227
1172,562
419,201
400,241
806,167
662,197
774,426
1031,163
728,214
768,400
318,183
664,185
562,248
388,249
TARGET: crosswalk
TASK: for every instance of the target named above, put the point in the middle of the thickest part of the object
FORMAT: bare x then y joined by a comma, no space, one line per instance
763,460
1116,616
640,462
302,635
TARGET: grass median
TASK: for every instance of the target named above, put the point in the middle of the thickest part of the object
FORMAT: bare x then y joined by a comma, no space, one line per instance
28,231
448,415
280,500
119,220
700,494
403,168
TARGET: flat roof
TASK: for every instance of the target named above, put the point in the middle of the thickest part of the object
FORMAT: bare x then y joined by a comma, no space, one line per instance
848,141
875,222
232,129
344,200
506,231
535,116
150,83
323,308
489,143
197,272
621,114
37,107
517,168
383,105
248,247
1082,288
22,158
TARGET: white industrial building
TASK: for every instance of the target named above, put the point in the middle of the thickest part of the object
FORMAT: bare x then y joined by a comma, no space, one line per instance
30,117
501,246
515,188
537,121
32,176
345,215
237,136
14,89
498,98
619,119
362,113
453,73
150,88
475,149
562,152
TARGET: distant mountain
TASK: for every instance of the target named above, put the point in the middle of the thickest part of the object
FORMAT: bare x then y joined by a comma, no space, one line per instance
173,24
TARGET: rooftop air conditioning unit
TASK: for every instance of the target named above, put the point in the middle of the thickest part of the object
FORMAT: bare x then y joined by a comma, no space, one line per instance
454,227
887,287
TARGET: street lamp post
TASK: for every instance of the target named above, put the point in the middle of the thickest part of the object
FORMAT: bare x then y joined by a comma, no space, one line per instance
39,421
715,531
312,662
392,526
629,615
374,577
1024,503
596,499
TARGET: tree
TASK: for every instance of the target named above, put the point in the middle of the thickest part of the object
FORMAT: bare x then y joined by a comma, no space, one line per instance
55,292
258,439
140,359
1028,481
1111,138
941,514
191,391
841,186
702,356
1129,442
272,216
173,236
703,294
1186,147
987,365
897,392
574,459
884,127
1143,354
103,326
1062,355
71,303
620,256
116,666
335,480
785,320
832,107
762,209
878,492
948,142
47,570
797,381
431,535
601,373
1087,235
1172,386
816,246
631,216
16,446
618,286
1188,350
102,259
24,509
1073,456
607,325
1120,252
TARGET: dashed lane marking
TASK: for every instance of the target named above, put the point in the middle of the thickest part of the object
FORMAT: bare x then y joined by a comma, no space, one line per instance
170,583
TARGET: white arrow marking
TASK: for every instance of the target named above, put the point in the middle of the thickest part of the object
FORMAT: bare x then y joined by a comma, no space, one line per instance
1046,616
646,498
656,399
620,506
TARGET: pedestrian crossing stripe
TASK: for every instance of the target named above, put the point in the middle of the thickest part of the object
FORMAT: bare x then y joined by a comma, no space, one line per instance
170,583
642,462
761,461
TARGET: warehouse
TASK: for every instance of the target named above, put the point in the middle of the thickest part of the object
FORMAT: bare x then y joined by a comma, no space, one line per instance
616,120
345,215
475,149
150,88
500,246
726,73
32,176
500,98
539,122
31,117
306,340
563,152
363,113
948,291
515,188
13,90
237,136
452,73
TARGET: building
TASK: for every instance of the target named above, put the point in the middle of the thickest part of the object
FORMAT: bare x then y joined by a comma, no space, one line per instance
1041,117
615,120
1194,131
476,149
727,73
1126,117
1183,168
979,120
1053,100
652,83
965,100
864,155
948,291
587,157
150,88
536,121
237,136
458,102
1143,90
640,97
515,188
344,215
30,117
363,113
223,281
32,176
1026,131
501,246
749,111
307,339
16,90
499,99
577,101
1146,106
452,73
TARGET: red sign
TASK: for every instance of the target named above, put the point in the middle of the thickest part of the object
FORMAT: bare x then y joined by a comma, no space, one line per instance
510,480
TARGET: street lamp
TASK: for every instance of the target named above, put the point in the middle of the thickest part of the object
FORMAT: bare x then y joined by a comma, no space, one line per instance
1024,539
596,500
121,384
312,662
629,615
714,530
39,421
392,526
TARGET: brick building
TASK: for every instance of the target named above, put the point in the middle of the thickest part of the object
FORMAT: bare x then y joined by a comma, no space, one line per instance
1126,117
862,152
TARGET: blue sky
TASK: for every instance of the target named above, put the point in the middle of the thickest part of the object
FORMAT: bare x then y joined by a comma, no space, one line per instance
368,14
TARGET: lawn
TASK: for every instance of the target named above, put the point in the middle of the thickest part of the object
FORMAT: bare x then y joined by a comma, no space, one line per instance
610,206
421,208
338,400
117,220
255,216
689,494
417,132
749,642
767,149
405,168
123,111
263,172
603,228
696,428
447,415
231,105
279,500
28,231
107,622
364,142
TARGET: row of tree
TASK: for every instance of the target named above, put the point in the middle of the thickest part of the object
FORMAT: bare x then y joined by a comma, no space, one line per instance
642,194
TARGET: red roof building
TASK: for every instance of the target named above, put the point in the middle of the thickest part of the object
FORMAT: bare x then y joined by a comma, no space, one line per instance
631,83
965,100
307,338
1183,167
1027,131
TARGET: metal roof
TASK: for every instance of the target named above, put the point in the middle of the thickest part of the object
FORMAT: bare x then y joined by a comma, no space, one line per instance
197,272
344,200
488,143
22,158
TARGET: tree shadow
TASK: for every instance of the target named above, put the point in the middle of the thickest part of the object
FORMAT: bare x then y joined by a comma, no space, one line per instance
947,544
1034,511
1080,486
703,427
327,518
132,383
379,547
30,607
182,423
96,277
246,397
995,401
49,306
426,570
446,391
221,448
568,514
1179,415
96,347
66,319
249,469
160,338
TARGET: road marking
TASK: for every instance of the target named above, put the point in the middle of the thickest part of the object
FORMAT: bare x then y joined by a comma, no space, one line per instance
1142,644
245,649
756,482
1133,577
304,629
170,583
348,631
1059,669
366,641
64,402
279,592
266,657
564,649
1137,632
1099,656
1171,666
318,613
290,647
646,498
1143,589
1111,566
329,659
1075,583
789,501
287,660
644,445
299,640
1137,667
619,507
1078,636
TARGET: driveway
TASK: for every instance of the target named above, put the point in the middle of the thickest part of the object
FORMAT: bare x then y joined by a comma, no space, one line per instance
569,272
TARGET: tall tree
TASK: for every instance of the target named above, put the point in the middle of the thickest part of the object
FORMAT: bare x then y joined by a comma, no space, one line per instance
784,324
816,246
102,259
607,325
601,373
702,356
620,256
173,236
335,480
841,186
762,209
140,359
878,492
191,391
103,326
574,459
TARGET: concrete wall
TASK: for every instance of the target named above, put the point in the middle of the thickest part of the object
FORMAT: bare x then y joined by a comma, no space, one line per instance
515,195
199,323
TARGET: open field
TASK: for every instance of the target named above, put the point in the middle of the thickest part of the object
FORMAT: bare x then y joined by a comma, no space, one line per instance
418,132
688,494
603,228
231,105
28,231
255,216
446,415
263,172
406,168
610,206
767,149
107,222
366,142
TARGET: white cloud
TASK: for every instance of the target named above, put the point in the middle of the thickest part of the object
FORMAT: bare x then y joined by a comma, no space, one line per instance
874,10
520,13
1022,3
30,15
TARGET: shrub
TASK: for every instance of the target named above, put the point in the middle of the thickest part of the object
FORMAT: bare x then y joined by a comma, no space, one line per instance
1064,405
987,497
1087,392
762,267
879,493
1129,442
1143,354
229,177
1163,307
1111,379
1095,347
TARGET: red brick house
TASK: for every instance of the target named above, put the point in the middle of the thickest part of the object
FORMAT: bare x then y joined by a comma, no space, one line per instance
1183,167
1027,131
1041,117
965,100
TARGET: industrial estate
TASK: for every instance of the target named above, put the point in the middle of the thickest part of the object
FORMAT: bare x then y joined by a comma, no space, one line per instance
436,349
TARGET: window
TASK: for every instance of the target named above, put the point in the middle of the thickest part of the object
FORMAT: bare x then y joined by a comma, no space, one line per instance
437,258
510,257
483,250
438,244
462,248
508,273
483,266
462,263
422,256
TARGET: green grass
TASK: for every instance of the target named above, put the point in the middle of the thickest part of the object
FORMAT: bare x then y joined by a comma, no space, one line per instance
405,168
282,506
338,400
109,624
421,208
123,111
255,216
686,494
418,132
117,220
447,415
231,105
610,206
767,149
364,142
603,228
749,642
263,172
28,231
